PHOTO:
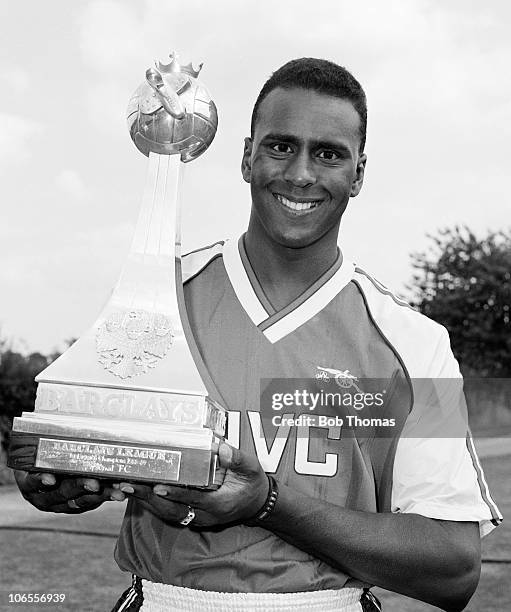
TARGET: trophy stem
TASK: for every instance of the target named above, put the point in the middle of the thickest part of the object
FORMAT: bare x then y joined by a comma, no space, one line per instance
157,228
148,281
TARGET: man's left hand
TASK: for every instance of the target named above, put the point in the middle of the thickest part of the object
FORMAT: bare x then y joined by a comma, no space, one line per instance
240,496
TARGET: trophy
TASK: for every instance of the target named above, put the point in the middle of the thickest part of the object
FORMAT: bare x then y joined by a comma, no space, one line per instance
129,399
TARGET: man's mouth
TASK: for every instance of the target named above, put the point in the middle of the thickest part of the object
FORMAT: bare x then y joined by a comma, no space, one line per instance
297,205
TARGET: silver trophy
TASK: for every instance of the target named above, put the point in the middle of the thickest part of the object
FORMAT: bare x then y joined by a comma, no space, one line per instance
129,398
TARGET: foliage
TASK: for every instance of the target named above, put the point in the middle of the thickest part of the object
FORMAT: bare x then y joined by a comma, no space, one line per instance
17,390
464,283
17,386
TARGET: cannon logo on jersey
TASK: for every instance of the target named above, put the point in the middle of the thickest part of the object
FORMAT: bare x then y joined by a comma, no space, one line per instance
343,378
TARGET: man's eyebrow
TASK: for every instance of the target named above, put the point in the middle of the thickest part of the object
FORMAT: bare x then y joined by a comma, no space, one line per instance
317,144
281,137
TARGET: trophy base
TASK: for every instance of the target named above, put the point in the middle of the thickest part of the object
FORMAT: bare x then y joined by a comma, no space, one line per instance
115,460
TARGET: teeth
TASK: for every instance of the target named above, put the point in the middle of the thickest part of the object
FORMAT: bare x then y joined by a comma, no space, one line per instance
296,205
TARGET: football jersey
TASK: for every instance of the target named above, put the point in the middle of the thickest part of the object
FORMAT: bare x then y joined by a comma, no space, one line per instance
345,333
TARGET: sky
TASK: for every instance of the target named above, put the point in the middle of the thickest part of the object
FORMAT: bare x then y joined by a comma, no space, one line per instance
438,144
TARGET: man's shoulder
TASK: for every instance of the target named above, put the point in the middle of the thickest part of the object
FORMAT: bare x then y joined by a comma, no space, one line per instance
194,262
383,301
419,340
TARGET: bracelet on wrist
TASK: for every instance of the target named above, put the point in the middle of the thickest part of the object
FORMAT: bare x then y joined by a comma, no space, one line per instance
269,505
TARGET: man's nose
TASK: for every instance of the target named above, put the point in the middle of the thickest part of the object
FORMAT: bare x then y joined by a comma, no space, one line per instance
300,171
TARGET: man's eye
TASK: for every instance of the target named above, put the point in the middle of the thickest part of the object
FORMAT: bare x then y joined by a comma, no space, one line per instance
281,147
328,155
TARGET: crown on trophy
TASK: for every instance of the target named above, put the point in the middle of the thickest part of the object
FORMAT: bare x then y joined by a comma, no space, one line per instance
172,111
174,66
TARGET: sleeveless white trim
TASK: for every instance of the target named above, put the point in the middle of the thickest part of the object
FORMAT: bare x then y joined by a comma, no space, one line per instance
169,598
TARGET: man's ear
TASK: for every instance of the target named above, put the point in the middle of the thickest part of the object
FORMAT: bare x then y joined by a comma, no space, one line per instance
246,168
358,181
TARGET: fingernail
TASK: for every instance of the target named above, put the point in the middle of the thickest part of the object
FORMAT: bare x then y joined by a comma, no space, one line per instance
117,496
160,491
48,479
127,488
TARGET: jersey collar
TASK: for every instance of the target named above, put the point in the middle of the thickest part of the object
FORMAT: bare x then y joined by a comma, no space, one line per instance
276,325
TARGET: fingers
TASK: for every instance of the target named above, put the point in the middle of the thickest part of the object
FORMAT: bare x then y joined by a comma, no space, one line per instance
138,490
148,492
34,482
59,493
39,482
165,508
237,461
181,495
75,487
89,493
86,502
225,454
243,490
114,494
89,484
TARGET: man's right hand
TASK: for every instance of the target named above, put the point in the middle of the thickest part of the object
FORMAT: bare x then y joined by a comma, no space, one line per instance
52,493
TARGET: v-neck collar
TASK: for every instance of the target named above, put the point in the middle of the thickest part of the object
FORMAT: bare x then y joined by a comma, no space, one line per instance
274,324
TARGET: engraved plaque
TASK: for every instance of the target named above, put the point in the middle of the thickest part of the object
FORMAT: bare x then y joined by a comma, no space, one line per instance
108,459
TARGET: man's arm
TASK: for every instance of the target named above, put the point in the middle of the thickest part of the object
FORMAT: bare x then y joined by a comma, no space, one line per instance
434,561
431,560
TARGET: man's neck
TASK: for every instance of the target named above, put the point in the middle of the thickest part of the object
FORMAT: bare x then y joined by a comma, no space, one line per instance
285,273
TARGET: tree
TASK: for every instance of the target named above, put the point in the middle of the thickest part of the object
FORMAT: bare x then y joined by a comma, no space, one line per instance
464,283
17,386
17,392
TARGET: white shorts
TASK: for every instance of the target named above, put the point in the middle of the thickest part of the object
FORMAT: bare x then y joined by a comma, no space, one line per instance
146,596
168,598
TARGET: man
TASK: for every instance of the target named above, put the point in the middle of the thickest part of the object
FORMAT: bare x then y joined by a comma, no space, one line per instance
308,518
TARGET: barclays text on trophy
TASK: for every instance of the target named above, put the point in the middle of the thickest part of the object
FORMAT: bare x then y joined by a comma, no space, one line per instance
129,399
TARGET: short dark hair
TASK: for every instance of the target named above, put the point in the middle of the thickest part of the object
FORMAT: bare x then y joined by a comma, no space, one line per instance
322,76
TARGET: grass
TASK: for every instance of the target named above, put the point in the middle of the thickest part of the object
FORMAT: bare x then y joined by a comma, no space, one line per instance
494,591
83,566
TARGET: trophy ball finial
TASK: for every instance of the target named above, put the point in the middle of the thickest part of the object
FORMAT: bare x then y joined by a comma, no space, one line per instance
172,112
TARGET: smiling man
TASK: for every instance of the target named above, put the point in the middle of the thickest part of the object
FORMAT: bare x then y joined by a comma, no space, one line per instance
308,518
303,162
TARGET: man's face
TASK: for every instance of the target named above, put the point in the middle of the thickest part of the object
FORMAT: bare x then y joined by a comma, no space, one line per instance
303,165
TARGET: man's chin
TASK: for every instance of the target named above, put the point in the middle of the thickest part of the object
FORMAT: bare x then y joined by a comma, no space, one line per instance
296,241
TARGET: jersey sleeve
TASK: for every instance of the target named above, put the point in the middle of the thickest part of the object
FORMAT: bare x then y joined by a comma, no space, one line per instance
436,470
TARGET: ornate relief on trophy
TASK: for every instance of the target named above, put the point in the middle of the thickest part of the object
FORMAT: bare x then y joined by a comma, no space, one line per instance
130,397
